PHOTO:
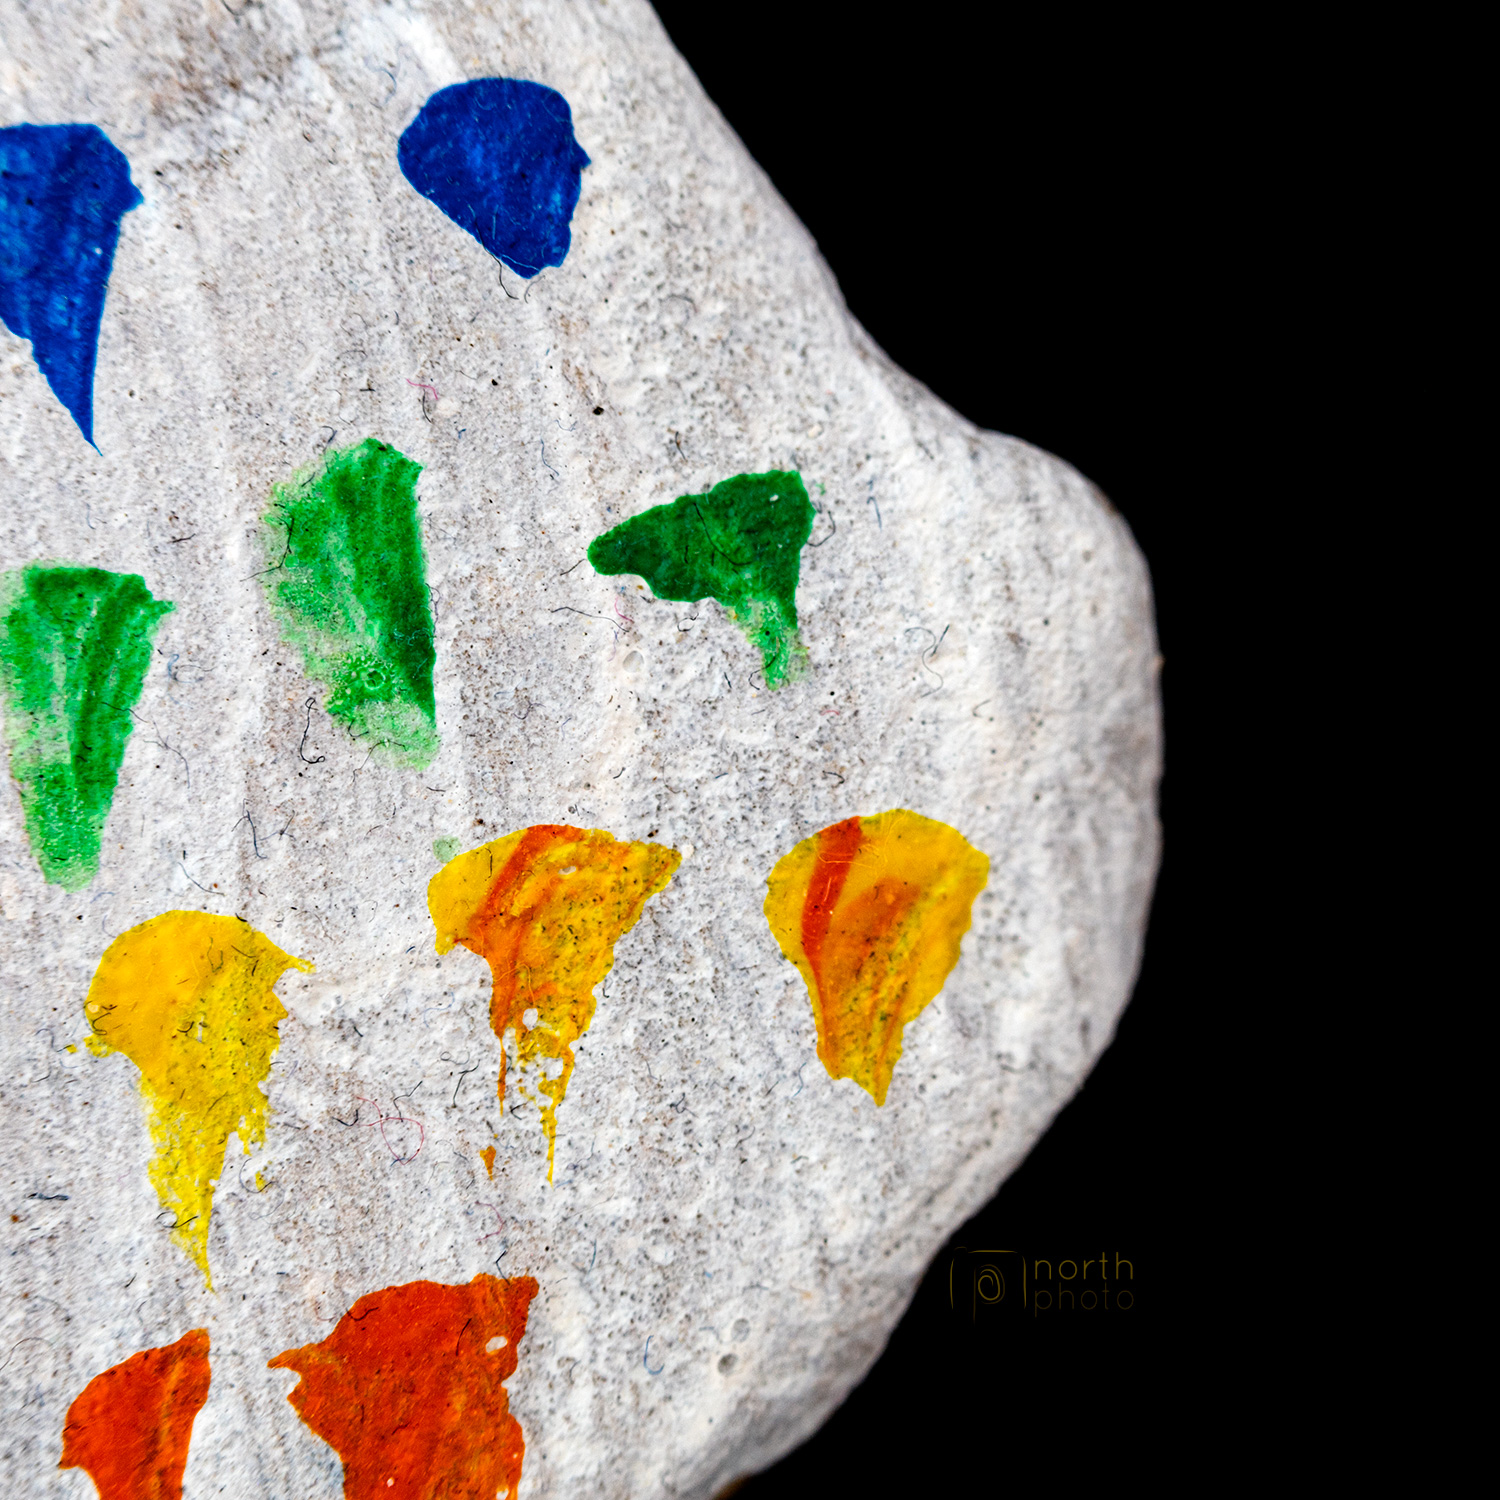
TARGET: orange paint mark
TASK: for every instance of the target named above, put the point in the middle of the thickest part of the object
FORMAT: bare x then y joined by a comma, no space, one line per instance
871,911
487,1156
130,1427
544,908
409,1390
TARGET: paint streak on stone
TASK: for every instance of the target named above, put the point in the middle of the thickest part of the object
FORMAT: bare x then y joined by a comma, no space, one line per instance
130,1427
741,544
409,1389
871,911
544,908
63,191
75,644
188,998
347,581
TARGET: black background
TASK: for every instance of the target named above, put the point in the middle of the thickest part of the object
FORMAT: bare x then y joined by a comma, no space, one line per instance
1047,224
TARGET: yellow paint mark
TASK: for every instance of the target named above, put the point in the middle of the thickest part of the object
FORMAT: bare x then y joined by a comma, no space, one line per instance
187,998
487,1156
871,911
544,908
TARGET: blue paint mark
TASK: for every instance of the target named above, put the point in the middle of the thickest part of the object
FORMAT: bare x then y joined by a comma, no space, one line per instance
646,1359
499,157
63,191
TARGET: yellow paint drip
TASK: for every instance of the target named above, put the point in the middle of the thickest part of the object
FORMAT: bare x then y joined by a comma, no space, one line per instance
544,908
187,998
871,911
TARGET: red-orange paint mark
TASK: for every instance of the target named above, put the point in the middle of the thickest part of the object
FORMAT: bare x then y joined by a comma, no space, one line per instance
836,848
130,1427
487,1156
409,1390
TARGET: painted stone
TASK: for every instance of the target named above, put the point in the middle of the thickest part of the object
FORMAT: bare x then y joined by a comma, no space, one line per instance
452,560
498,156
544,907
130,1427
63,191
739,544
75,646
872,912
346,578
188,998
409,1389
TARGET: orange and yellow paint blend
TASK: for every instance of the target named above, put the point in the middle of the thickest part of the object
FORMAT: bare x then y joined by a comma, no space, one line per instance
409,1389
871,911
187,998
129,1428
544,908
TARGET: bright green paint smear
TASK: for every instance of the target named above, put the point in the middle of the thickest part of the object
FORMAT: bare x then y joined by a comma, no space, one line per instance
348,585
74,647
741,544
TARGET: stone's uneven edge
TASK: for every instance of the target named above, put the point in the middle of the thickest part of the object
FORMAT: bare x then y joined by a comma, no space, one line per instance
771,1200
978,1177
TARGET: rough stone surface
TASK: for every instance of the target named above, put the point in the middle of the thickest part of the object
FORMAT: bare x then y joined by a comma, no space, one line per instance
715,1192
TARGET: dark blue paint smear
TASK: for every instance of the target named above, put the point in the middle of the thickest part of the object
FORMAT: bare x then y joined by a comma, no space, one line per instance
499,157
63,191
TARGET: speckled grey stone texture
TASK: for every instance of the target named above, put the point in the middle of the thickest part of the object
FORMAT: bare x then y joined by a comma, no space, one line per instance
979,627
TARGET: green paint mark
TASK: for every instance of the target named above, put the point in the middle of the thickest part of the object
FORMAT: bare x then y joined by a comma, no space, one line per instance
74,647
348,585
446,849
741,544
